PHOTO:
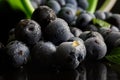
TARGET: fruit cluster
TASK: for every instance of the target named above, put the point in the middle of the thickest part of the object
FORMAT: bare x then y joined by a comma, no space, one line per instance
61,35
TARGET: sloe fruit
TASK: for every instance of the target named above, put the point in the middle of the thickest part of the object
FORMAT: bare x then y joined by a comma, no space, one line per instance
96,48
58,31
18,53
70,54
28,31
42,54
43,15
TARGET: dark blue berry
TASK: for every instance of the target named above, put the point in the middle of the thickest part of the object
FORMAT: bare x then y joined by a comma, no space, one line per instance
42,54
54,5
43,15
67,14
96,48
58,31
28,31
70,54
18,53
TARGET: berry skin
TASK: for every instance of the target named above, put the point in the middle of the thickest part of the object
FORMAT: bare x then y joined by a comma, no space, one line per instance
75,39
54,5
11,35
108,14
91,27
100,15
96,48
75,31
88,34
67,14
70,54
42,54
104,32
114,28
114,19
83,20
43,15
111,39
18,53
36,3
57,31
74,8
28,31
117,43
61,2
83,4
73,2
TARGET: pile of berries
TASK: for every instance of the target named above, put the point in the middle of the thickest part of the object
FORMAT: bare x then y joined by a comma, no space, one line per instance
61,37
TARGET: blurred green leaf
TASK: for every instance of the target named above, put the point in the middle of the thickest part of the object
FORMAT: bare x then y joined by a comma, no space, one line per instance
107,5
114,56
92,5
101,23
23,5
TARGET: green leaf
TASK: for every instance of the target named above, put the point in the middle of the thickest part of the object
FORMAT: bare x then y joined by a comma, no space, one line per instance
23,5
107,5
114,56
92,5
28,7
101,23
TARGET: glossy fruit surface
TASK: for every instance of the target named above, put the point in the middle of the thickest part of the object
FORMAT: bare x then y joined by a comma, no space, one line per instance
18,53
42,54
96,48
58,31
28,31
43,15
70,54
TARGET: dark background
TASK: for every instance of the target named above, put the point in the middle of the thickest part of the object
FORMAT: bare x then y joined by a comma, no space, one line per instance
116,8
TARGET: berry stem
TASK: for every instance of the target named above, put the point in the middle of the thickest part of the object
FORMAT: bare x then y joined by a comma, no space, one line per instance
28,7
92,5
107,5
